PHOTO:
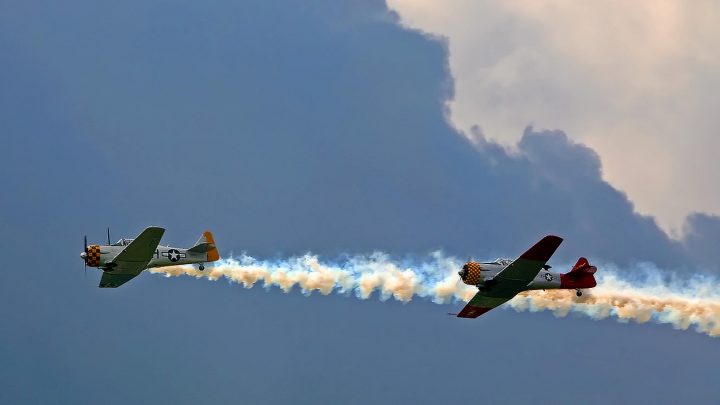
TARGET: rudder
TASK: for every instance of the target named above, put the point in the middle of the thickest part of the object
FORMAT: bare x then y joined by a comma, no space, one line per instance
212,254
206,244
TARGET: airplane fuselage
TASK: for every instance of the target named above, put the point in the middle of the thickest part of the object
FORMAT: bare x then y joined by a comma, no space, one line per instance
163,256
481,275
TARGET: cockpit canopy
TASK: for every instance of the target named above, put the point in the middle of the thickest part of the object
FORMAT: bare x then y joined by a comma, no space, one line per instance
502,262
122,242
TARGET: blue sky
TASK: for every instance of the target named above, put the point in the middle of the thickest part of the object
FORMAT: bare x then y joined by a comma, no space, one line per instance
286,128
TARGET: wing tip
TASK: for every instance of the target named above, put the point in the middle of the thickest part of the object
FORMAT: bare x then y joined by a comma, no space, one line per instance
543,249
472,312
107,285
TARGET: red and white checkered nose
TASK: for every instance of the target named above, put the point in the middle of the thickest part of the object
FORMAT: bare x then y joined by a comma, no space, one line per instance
92,258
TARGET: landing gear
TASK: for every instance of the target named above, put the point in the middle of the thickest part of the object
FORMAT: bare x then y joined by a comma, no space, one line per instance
578,293
201,267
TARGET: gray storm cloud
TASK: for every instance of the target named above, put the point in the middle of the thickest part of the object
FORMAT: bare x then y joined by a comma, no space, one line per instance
641,91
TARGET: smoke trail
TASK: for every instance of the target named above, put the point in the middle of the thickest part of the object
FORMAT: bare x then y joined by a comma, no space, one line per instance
651,296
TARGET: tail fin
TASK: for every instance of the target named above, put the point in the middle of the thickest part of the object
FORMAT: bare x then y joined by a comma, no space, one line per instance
583,266
580,276
206,244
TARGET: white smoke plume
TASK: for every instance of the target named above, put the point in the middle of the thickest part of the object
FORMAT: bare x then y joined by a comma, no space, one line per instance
650,295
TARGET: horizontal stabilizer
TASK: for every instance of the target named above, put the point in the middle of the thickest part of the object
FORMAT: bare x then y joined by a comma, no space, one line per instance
202,247
580,276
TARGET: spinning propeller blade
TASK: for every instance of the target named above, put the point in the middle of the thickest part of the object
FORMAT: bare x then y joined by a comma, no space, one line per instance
86,252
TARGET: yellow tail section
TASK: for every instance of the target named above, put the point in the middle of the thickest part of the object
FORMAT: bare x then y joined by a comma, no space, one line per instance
212,254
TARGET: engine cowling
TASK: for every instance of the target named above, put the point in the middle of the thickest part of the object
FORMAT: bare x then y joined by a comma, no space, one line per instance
92,257
470,273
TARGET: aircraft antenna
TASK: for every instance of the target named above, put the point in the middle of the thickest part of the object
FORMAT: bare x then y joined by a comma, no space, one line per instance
108,229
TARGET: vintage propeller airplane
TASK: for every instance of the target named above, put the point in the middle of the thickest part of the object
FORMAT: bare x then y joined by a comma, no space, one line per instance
501,280
125,259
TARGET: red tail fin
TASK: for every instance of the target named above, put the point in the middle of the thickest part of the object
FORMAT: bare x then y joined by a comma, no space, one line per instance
580,276
583,266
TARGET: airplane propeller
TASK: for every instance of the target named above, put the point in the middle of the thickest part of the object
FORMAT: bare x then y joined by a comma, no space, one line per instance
108,229
85,254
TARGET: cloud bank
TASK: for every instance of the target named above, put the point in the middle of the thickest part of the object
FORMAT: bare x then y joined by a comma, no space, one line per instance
635,81
345,139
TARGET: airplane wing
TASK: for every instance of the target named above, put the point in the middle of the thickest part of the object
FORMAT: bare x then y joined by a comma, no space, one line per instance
480,303
133,259
512,279
111,280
